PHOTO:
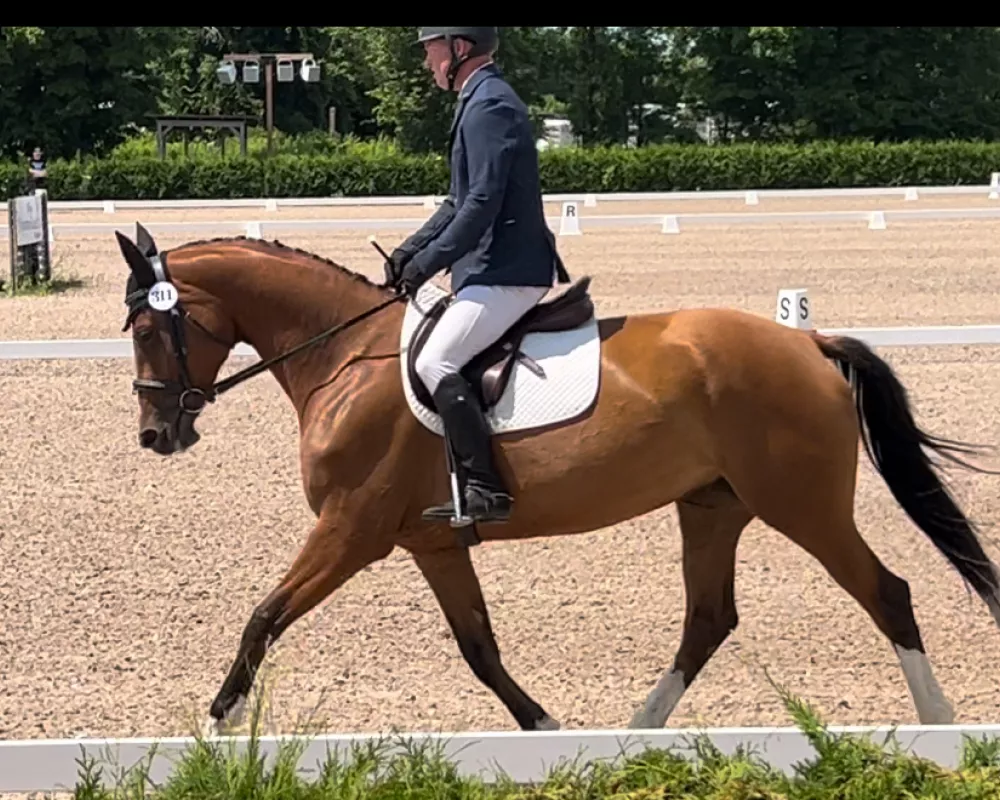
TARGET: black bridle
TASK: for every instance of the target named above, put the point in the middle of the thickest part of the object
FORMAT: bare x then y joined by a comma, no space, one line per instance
192,399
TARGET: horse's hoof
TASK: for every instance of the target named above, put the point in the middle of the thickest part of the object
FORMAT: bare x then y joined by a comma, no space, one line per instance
641,721
234,717
546,723
210,728
230,721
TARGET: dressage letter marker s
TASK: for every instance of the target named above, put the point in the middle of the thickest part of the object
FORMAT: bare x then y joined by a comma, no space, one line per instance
793,309
163,296
570,223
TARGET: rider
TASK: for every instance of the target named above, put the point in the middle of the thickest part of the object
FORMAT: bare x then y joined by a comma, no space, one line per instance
491,232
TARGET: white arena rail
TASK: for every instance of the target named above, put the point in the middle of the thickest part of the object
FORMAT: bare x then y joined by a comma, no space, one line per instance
50,765
939,335
567,223
751,196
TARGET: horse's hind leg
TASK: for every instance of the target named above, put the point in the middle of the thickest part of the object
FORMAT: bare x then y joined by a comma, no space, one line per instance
808,495
885,596
711,521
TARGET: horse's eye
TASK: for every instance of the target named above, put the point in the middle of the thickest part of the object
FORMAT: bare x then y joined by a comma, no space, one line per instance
144,334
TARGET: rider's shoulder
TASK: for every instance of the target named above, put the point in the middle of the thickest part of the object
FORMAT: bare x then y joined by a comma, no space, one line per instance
495,94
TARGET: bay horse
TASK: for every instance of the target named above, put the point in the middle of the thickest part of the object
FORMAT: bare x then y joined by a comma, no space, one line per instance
727,414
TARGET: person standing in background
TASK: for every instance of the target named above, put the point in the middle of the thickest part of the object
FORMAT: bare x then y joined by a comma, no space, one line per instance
37,170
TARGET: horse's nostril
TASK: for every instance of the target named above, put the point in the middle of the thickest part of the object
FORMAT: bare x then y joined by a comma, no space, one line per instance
148,437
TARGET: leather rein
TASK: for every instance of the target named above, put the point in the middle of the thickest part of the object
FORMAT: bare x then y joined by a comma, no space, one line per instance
192,399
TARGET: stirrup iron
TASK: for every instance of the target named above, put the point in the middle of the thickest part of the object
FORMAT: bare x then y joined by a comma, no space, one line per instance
459,519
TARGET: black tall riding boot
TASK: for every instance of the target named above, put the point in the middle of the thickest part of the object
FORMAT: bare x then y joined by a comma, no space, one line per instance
486,497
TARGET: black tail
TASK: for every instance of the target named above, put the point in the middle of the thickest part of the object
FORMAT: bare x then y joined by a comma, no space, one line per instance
896,445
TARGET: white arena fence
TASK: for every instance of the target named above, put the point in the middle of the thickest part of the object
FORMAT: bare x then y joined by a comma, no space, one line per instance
38,765
59,349
750,197
569,223
788,299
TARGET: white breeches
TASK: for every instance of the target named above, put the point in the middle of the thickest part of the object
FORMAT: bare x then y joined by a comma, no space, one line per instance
475,320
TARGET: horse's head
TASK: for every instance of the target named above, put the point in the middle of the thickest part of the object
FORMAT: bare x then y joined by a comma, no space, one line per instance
173,379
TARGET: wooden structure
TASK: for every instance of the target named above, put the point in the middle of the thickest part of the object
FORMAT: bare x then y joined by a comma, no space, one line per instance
236,125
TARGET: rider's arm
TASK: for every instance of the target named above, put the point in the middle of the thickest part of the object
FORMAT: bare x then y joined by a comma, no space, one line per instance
437,222
490,135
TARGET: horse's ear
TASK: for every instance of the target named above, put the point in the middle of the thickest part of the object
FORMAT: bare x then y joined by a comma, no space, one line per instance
137,262
144,241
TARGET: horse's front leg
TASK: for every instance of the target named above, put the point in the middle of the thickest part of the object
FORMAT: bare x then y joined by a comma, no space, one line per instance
341,544
453,580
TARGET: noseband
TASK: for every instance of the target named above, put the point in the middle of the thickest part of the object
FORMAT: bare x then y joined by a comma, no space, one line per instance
162,297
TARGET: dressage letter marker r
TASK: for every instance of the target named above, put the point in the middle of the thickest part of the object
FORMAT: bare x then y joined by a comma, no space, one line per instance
793,309
570,223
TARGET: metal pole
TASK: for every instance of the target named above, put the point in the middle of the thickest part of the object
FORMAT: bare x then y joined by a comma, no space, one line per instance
44,250
12,236
269,98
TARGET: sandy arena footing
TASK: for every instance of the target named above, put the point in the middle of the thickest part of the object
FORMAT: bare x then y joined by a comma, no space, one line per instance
127,579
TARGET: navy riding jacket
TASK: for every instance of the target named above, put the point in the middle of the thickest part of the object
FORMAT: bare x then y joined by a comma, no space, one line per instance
491,229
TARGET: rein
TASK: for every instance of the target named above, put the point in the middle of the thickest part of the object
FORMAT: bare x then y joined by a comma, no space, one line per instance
162,297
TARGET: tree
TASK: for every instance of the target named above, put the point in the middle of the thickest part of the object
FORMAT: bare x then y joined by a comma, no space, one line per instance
79,89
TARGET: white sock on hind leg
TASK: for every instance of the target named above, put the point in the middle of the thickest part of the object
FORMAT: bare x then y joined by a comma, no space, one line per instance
661,701
932,706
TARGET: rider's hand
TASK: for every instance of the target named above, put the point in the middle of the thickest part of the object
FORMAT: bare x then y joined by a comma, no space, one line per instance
410,280
394,266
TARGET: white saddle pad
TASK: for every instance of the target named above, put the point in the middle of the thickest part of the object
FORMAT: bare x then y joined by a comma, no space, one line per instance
570,361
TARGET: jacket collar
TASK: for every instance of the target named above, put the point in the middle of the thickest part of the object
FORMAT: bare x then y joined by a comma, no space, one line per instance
471,84
477,77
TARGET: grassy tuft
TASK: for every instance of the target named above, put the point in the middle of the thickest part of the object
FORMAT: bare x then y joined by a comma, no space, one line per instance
845,767
59,281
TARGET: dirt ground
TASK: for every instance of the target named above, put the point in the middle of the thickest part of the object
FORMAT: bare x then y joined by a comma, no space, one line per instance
126,579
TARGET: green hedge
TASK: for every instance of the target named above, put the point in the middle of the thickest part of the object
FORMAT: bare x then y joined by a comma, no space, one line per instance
365,169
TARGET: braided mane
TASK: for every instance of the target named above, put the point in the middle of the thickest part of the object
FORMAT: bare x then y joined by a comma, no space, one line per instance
273,245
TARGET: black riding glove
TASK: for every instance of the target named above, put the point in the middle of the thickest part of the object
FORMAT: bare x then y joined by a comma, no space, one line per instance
411,280
394,266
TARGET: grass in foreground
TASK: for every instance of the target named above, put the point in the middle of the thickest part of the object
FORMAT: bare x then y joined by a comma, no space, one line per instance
40,288
845,767
29,286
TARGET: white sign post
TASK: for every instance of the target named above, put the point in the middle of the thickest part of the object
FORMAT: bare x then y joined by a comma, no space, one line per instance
30,252
29,226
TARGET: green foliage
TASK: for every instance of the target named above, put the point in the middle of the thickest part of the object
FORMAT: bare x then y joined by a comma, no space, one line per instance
75,89
322,166
85,89
844,766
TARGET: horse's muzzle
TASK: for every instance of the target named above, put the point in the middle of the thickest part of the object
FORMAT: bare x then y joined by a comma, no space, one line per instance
165,438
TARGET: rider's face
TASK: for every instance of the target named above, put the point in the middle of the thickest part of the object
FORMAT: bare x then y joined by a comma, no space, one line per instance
438,58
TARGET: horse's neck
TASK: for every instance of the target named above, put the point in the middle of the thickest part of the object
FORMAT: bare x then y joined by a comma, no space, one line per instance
278,304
